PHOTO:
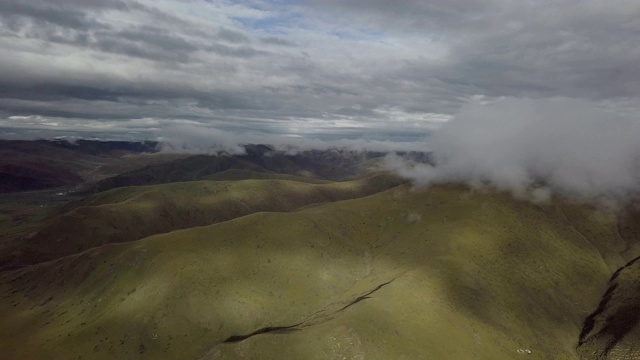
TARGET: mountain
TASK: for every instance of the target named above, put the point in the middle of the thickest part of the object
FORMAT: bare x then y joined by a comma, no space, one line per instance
92,166
612,330
299,255
98,147
33,175
242,174
445,273
42,164
188,169
327,165
132,213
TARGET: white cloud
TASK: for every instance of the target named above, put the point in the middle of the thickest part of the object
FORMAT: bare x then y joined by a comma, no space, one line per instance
524,145
341,69
196,139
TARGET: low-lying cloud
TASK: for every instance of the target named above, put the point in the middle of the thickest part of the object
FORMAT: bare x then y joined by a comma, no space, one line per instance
196,139
534,148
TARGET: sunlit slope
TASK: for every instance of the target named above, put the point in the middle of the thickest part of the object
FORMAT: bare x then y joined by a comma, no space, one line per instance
127,214
437,274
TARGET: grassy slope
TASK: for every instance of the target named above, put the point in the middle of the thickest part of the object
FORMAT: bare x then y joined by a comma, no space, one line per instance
127,214
470,276
331,165
22,213
188,169
128,162
243,174
612,331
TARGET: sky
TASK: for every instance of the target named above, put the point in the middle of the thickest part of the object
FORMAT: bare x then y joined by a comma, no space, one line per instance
384,73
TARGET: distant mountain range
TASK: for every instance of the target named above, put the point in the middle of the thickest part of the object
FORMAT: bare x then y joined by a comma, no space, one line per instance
41,164
103,165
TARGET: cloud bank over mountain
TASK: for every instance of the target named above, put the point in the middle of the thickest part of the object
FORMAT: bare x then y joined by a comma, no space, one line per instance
192,139
535,147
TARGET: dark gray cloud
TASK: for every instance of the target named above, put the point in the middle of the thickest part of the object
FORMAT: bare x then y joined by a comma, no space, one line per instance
232,36
318,68
272,40
582,49
28,11
235,51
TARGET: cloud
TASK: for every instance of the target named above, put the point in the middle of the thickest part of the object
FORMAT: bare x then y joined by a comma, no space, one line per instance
276,41
534,147
578,49
310,69
232,36
163,61
194,139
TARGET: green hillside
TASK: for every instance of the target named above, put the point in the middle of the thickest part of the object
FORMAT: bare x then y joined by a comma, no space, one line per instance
442,273
127,214
243,174
188,169
332,165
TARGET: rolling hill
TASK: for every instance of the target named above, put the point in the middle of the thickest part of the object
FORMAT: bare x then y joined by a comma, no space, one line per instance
332,165
131,213
442,273
43,164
